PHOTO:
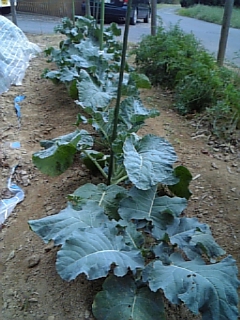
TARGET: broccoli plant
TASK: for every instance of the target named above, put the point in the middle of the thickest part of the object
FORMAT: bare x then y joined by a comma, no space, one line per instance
126,229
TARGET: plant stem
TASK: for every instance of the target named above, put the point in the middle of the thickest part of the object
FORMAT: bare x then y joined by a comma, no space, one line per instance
101,25
120,179
96,164
88,10
73,12
119,93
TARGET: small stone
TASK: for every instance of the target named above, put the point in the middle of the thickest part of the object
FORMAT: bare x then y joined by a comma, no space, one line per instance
33,300
229,170
51,318
213,165
205,152
10,293
25,181
87,314
232,149
49,208
82,174
11,255
227,158
33,261
49,246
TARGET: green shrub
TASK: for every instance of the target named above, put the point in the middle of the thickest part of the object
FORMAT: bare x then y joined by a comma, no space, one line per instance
224,115
177,61
163,57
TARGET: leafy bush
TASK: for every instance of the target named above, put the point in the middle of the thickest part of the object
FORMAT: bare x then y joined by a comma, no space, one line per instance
130,233
164,56
177,61
224,115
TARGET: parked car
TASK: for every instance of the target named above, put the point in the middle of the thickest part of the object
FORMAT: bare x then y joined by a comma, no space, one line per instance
5,6
115,10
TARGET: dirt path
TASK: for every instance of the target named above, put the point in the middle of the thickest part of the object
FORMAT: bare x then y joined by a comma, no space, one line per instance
30,287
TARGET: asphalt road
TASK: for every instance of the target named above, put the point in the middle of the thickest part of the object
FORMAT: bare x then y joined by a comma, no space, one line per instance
207,33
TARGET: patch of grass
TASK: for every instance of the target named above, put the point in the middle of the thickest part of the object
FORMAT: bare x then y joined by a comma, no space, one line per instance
168,4
161,5
210,14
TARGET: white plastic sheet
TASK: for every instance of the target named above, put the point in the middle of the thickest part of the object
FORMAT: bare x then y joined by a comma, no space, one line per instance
15,53
7,205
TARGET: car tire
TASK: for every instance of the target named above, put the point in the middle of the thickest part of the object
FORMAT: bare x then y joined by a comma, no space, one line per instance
5,10
133,19
146,19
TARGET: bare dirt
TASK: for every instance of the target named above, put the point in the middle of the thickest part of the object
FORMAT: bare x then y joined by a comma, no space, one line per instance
30,287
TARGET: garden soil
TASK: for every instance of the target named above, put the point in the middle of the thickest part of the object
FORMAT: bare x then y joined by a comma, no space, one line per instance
30,287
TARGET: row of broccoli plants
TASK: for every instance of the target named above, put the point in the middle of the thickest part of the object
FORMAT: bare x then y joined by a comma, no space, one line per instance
125,229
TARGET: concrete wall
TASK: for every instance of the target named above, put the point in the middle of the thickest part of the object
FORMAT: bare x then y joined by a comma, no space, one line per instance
58,8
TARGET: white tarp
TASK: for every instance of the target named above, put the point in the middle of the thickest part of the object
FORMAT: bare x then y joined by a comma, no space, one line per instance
15,53
7,205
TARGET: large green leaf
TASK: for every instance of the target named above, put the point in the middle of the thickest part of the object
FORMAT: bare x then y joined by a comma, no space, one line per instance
112,30
193,237
102,122
92,95
89,51
75,138
133,113
132,237
68,74
163,251
94,252
149,160
72,89
53,75
181,188
140,80
54,160
145,204
130,90
121,299
59,227
59,153
105,196
210,289
81,61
